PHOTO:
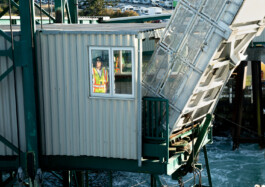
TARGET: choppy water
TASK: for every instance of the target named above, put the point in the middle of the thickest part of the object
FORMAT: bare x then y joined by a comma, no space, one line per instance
244,167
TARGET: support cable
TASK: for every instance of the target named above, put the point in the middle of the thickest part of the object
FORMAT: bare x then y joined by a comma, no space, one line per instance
31,23
249,130
49,7
40,14
15,82
139,183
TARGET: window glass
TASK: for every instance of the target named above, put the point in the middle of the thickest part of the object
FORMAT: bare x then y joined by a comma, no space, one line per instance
100,71
122,71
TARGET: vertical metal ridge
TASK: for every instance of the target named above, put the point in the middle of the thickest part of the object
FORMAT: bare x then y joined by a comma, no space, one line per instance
47,101
60,95
80,89
54,93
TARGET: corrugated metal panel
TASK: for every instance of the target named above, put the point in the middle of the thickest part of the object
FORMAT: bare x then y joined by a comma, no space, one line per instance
149,45
73,123
8,115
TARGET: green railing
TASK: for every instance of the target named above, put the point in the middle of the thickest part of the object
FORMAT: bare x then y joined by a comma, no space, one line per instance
155,119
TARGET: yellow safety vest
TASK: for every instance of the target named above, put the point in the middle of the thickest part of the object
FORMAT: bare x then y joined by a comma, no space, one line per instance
117,69
100,82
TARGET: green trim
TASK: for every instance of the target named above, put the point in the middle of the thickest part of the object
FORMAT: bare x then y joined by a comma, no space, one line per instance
99,163
3,76
44,12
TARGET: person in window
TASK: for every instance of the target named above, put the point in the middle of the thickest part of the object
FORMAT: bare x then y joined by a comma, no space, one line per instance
100,77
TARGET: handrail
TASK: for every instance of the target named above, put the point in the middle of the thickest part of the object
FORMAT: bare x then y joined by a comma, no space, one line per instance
155,121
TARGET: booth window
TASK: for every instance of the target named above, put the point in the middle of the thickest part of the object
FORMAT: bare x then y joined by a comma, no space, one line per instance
122,71
111,71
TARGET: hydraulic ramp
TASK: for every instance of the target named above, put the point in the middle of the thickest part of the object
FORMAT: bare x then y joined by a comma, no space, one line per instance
202,44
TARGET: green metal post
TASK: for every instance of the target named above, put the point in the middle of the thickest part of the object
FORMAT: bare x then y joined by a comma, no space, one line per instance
27,47
1,179
153,181
59,10
66,178
73,9
110,179
207,166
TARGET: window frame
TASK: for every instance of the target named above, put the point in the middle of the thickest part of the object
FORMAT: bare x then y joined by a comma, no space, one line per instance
111,72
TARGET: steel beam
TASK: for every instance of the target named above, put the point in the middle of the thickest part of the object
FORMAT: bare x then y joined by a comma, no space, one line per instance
27,17
7,53
99,163
44,12
9,145
4,75
14,3
207,166
9,163
6,37
59,10
73,10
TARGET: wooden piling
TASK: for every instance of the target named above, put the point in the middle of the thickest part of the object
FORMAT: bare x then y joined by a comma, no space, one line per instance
238,102
257,99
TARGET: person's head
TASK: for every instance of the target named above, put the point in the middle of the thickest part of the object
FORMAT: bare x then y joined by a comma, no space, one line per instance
98,63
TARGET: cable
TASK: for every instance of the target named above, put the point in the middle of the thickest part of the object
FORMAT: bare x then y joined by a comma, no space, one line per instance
238,125
138,184
15,81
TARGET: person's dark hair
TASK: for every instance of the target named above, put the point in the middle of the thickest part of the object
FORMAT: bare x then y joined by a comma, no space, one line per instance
99,59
